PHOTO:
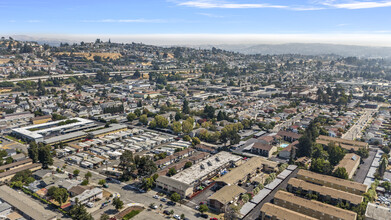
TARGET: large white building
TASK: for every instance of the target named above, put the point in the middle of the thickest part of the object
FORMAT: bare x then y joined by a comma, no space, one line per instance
40,132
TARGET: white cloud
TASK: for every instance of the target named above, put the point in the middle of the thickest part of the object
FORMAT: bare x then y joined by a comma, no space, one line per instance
358,4
219,4
141,20
211,15
33,21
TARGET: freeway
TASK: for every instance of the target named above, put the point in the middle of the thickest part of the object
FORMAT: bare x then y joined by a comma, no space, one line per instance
64,76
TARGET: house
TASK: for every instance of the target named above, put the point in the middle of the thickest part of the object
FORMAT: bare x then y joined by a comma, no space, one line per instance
88,196
41,174
262,149
225,196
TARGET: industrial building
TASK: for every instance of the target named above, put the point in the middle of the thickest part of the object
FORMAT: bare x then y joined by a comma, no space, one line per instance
40,132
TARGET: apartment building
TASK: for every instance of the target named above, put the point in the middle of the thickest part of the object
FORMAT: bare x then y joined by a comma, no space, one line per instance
323,193
332,182
312,208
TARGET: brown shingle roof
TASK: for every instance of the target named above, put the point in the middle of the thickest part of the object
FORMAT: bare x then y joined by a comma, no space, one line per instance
282,213
326,191
316,206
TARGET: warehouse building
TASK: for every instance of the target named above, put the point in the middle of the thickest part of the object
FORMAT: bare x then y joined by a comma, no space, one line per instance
40,132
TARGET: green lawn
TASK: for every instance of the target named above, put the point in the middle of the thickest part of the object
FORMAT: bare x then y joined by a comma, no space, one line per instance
131,214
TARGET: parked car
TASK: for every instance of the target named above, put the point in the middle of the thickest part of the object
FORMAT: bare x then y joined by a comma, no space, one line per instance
163,199
177,217
90,205
203,215
156,197
171,203
166,212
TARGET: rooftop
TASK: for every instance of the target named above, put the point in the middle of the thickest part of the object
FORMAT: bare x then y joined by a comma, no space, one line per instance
316,206
283,213
25,204
349,161
205,167
327,191
334,180
242,171
227,194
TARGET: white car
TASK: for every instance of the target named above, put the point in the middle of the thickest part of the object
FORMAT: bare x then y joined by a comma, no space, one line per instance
177,217
156,197
90,205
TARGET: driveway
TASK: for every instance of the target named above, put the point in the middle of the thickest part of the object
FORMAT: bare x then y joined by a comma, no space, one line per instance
364,167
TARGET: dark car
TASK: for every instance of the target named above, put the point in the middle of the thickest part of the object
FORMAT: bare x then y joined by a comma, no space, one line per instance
166,212
171,203
203,215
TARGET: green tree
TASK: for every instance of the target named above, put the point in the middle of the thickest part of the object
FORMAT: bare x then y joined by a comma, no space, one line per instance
188,164
88,175
45,156
144,119
321,166
131,116
176,127
79,212
60,195
175,197
195,141
336,153
102,182
186,138
161,122
203,208
340,172
104,216
118,204
33,152
171,172
186,108
76,172
187,127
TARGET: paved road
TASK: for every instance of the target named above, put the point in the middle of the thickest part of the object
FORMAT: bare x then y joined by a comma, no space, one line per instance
127,195
36,78
364,167
355,131
256,212
291,121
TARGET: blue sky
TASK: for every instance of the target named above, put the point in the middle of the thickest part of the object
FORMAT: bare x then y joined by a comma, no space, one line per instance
221,17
